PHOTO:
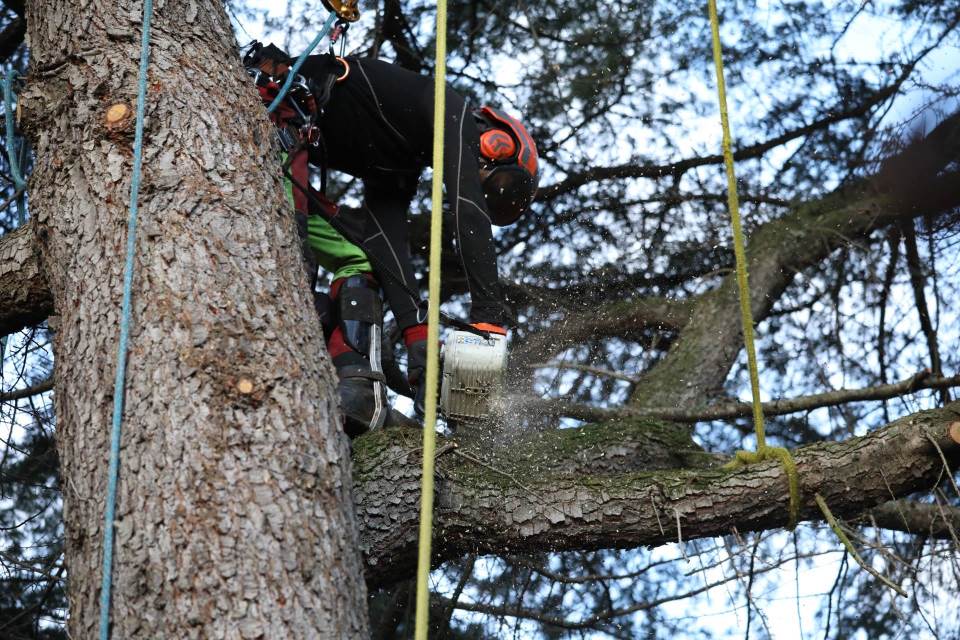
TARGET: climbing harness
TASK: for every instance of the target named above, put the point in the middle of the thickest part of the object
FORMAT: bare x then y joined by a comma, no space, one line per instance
119,382
764,451
322,208
433,332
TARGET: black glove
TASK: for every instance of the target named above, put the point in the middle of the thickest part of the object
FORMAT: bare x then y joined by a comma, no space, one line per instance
417,373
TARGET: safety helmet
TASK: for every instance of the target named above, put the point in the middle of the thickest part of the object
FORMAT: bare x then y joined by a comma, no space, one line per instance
509,172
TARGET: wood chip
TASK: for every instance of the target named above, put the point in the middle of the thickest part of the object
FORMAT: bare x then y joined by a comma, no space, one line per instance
955,432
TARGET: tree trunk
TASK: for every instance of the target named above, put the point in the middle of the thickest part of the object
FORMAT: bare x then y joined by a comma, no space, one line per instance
234,516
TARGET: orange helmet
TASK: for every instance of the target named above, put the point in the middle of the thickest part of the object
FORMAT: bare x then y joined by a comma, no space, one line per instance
509,172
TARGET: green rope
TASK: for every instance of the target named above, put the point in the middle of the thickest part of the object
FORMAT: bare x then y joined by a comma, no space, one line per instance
433,333
763,451
744,458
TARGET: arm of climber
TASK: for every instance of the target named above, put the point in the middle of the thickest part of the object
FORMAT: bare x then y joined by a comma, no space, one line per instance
472,230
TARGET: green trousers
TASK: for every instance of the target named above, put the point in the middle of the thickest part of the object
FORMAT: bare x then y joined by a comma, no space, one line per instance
333,252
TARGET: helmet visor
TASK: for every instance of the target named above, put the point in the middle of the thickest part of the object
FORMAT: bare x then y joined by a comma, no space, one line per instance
508,190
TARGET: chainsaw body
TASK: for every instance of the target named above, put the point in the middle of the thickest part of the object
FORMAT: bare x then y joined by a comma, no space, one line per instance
472,381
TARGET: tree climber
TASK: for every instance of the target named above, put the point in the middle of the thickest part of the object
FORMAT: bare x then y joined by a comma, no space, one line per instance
375,122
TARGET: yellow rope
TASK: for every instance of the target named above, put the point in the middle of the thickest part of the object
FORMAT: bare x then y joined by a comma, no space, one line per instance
763,452
433,332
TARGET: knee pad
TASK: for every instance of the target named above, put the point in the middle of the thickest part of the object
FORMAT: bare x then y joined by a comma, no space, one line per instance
360,315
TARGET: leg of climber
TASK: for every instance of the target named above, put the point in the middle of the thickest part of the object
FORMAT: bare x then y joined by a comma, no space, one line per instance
353,339
354,347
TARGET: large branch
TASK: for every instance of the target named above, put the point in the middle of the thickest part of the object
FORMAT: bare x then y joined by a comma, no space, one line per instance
700,359
919,518
623,318
24,296
612,487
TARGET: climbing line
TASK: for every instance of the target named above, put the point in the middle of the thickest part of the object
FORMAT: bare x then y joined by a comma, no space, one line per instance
118,385
845,541
433,332
763,452
18,180
291,74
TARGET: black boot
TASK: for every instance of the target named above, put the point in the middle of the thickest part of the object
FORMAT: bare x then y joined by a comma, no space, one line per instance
363,399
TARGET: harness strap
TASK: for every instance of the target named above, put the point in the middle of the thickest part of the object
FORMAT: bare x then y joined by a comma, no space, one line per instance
324,207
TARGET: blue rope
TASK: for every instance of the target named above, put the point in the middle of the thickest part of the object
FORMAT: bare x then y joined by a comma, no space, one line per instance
118,385
299,63
18,180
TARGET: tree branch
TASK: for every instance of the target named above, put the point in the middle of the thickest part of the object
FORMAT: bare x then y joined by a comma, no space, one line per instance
18,394
700,359
619,319
568,489
730,410
24,297
918,518
834,116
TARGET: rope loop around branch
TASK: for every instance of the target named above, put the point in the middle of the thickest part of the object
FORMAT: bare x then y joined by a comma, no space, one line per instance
743,458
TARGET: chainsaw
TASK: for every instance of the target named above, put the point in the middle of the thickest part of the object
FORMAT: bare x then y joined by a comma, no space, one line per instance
471,384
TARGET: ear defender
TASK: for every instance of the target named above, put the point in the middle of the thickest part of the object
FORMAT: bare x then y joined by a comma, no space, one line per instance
497,144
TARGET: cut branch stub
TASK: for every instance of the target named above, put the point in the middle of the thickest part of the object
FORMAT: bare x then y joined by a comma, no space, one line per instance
118,116
955,432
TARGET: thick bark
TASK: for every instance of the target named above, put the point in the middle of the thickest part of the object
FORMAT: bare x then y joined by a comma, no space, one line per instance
234,515
24,296
621,486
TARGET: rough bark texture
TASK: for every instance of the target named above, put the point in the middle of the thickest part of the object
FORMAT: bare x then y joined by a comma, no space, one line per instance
621,485
234,516
24,296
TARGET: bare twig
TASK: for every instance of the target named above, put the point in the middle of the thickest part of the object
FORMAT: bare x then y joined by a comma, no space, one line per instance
586,368
835,526
19,394
730,410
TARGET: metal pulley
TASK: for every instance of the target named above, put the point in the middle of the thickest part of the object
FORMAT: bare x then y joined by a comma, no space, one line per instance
346,10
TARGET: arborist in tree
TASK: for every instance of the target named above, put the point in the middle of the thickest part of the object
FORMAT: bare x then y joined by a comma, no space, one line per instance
374,120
